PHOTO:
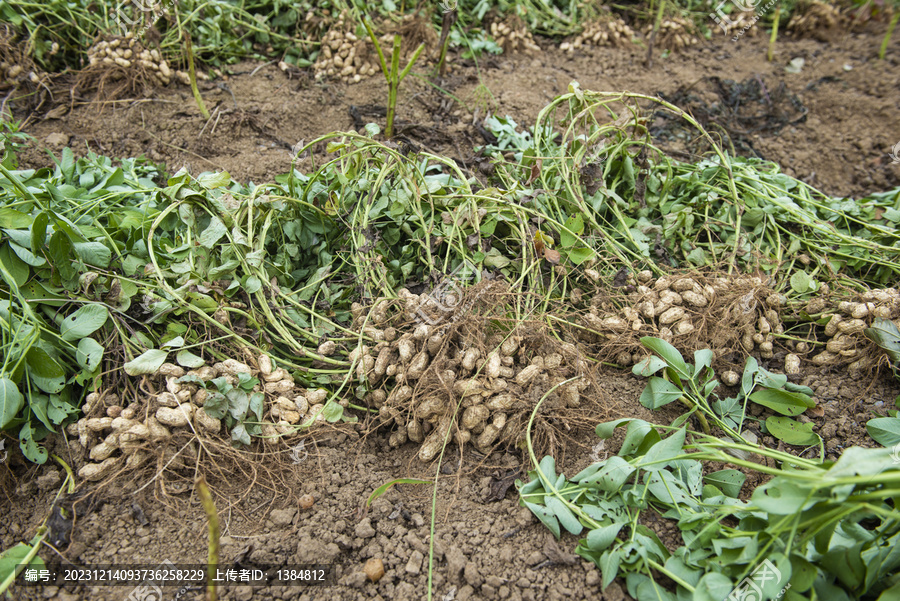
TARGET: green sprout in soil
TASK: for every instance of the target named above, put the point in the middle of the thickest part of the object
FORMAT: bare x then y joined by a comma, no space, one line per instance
392,74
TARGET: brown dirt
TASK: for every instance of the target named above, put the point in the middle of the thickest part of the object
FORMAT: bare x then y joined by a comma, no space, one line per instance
484,550
842,147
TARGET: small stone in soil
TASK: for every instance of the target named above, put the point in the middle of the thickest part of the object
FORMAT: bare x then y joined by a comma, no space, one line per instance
374,569
364,529
414,565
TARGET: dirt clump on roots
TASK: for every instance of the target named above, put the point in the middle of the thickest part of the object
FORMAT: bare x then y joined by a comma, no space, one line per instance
19,76
122,67
473,374
733,316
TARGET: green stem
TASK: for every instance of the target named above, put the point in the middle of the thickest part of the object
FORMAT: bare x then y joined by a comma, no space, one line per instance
771,54
209,507
193,75
887,36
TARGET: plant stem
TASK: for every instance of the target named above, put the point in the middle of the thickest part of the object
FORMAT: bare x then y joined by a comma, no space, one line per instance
771,54
393,84
887,36
209,507
656,24
193,76
35,545
446,25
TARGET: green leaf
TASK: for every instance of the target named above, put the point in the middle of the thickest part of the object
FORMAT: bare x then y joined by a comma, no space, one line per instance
255,405
11,401
39,232
16,220
564,515
713,587
659,392
211,181
884,430
213,233
748,378
803,574
614,472
800,282
176,342
252,284
188,359
238,403
574,227
495,259
44,371
662,452
668,489
40,363
27,256
385,487
702,359
216,405
38,405
93,253
29,446
781,496
885,334
547,517
17,268
89,354
728,481
639,436
791,431
148,363
648,366
11,559
605,430
782,401
601,538
579,255
84,322
891,594
645,589
239,434
333,411
669,354
609,566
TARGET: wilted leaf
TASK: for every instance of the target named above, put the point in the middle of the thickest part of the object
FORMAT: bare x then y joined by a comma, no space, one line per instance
551,255
147,363
188,359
